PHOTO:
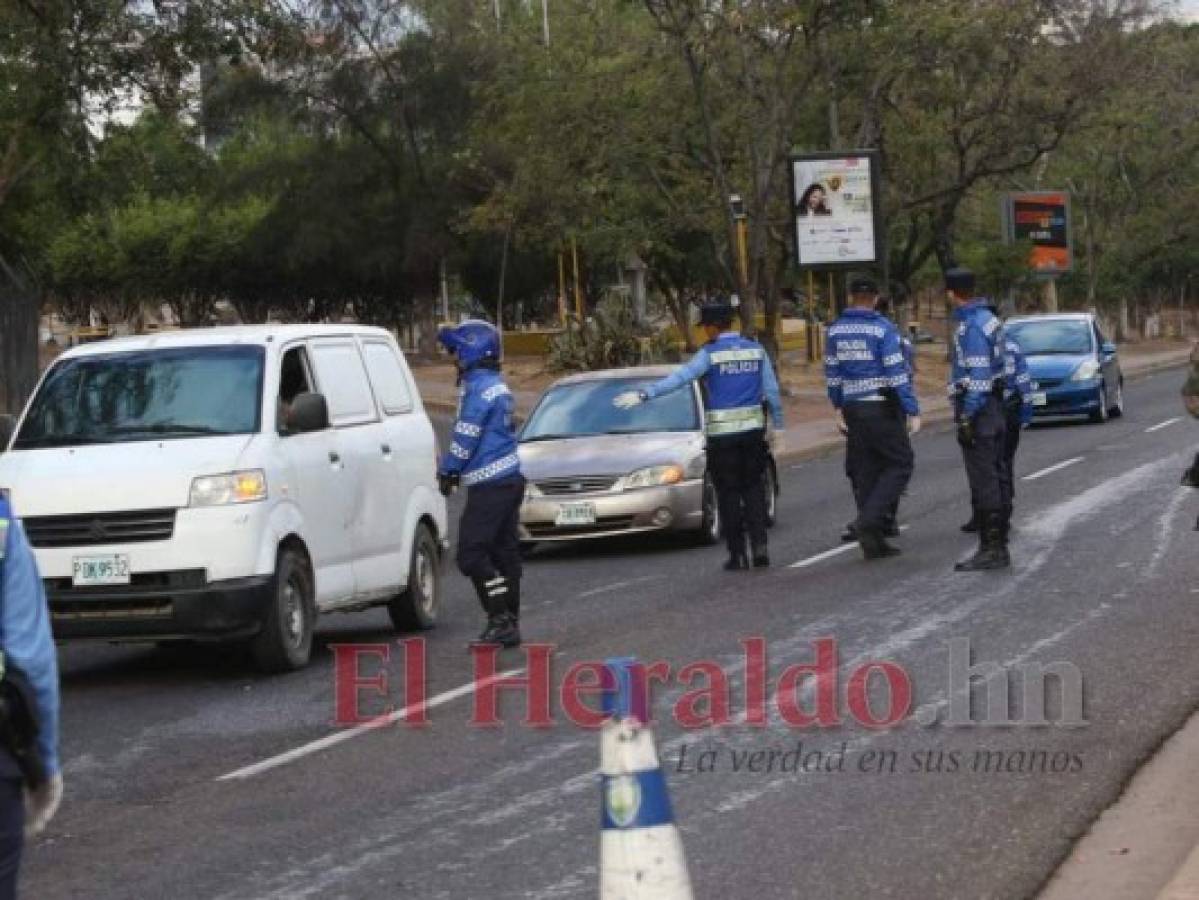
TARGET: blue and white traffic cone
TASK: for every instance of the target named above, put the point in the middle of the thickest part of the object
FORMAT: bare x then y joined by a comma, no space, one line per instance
641,855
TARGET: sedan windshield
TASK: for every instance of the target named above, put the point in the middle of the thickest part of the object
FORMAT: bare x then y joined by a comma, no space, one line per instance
585,408
1051,336
146,395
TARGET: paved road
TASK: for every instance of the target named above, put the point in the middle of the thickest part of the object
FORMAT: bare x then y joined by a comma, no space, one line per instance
1103,579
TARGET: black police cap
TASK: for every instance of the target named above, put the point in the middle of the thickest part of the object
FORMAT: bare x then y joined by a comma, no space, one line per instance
863,284
960,280
717,313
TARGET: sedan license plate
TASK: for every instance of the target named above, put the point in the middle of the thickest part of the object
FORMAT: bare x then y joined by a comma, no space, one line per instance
582,513
1039,399
90,571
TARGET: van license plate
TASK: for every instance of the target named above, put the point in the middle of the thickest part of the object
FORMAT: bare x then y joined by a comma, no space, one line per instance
1039,399
90,571
576,514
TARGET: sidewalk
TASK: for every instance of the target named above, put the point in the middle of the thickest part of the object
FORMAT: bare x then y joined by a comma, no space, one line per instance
810,430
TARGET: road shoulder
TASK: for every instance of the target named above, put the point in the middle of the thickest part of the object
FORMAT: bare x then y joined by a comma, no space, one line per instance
1146,839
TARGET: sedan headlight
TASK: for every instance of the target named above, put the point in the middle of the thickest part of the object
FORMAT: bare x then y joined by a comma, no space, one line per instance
654,476
248,486
1086,371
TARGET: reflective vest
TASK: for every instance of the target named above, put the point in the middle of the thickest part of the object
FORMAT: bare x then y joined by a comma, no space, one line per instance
734,385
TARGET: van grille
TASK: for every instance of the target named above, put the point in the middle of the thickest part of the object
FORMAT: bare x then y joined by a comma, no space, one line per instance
590,484
97,529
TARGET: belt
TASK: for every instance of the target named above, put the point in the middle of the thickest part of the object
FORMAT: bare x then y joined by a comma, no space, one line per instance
869,398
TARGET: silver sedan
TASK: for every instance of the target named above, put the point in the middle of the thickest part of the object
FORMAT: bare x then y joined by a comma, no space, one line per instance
597,471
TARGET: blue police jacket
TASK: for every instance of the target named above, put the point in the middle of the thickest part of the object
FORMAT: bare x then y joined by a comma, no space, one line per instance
1017,380
483,447
863,357
737,377
25,631
978,355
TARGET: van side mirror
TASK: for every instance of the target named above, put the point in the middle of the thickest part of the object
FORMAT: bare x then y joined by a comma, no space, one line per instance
8,424
309,412
1108,348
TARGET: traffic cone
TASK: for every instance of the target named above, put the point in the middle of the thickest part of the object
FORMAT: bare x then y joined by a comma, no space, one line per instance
641,855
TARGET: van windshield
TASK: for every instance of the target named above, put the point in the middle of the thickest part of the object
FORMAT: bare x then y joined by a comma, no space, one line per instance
146,395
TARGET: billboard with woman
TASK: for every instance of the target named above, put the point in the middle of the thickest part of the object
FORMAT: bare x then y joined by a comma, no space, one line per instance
836,209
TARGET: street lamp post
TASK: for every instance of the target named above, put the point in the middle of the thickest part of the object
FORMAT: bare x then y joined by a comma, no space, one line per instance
737,206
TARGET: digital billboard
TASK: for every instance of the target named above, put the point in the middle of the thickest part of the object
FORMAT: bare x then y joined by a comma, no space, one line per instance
1043,219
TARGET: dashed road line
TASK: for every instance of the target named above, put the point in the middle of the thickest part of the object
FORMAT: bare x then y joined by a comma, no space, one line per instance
338,737
1160,425
1054,468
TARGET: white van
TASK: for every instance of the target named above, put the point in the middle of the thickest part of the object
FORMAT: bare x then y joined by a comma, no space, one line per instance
230,483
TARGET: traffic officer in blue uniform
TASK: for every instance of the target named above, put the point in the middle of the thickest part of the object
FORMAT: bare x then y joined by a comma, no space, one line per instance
871,389
977,383
891,526
30,773
482,457
1017,413
739,381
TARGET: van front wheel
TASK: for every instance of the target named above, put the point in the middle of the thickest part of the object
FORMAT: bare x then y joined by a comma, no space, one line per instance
417,607
285,641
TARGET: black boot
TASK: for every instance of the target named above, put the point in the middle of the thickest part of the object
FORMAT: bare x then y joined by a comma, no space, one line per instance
761,557
737,560
1007,523
992,545
874,545
501,627
850,534
890,528
971,527
513,636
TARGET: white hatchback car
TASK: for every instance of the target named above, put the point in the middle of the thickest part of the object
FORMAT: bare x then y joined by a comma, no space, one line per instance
230,483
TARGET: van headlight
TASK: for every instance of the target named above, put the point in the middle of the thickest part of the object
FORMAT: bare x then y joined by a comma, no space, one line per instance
1085,372
654,476
248,486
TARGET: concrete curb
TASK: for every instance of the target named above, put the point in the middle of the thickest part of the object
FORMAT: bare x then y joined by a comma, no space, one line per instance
1185,884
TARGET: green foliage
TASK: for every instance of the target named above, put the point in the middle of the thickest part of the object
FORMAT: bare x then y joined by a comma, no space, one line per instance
609,339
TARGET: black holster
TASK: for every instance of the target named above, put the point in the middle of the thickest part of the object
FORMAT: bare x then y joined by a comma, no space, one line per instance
19,725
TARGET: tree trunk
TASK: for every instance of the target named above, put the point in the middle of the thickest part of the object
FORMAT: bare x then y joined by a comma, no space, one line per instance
20,309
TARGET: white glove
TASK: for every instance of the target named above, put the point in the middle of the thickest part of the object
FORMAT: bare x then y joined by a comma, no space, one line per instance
839,421
41,805
628,400
914,424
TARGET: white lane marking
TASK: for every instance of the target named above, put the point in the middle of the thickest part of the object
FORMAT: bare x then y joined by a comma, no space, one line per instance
1055,468
338,737
617,585
1164,530
829,554
1160,425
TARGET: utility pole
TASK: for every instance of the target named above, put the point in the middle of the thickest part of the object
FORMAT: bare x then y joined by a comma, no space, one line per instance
545,21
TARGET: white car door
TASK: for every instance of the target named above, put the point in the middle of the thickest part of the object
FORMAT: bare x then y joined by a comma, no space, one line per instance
405,458
317,482
373,508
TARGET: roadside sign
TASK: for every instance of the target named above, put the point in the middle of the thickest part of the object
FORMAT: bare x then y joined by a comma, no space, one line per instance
1043,219
836,209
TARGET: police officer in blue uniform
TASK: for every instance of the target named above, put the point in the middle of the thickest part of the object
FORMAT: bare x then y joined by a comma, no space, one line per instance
30,774
977,386
1017,413
482,456
739,381
871,389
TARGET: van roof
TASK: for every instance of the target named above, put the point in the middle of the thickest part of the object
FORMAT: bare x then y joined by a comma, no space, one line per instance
260,335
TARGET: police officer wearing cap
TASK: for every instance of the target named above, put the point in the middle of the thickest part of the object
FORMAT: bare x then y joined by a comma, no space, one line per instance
738,380
482,457
871,389
977,386
1017,414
